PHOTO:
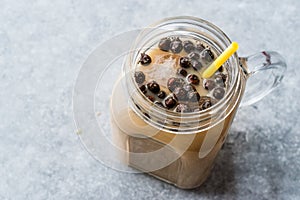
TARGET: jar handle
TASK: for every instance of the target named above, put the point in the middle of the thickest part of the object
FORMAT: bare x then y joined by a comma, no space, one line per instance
264,71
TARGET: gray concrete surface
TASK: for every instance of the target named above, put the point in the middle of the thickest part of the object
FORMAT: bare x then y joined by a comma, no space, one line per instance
42,45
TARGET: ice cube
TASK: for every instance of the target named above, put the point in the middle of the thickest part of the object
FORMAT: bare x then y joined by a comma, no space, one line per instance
162,69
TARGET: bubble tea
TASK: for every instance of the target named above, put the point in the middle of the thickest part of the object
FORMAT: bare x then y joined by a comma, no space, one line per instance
167,76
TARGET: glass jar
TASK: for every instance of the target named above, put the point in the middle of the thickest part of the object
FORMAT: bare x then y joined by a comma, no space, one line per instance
180,148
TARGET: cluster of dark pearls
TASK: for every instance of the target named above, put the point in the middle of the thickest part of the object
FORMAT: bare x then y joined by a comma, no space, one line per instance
182,95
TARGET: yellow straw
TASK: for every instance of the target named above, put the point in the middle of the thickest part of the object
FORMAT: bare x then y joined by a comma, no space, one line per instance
220,60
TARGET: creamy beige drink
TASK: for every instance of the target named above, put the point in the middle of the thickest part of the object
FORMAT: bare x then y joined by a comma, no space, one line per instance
168,76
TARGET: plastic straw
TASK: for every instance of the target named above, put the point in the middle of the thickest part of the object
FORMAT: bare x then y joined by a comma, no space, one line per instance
220,60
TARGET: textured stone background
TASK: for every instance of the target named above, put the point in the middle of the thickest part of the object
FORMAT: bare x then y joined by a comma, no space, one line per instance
42,45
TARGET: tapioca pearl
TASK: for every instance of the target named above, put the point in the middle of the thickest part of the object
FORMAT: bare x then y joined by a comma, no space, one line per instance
164,44
206,104
199,46
182,72
193,79
220,79
145,59
196,65
218,93
221,69
189,87
158,103
139,77
176,45
153,86
188,46
151,98
180,94
193,96
182,108
194,56
143,89
174,83
170,102
207,55
209,84
161,94
185,62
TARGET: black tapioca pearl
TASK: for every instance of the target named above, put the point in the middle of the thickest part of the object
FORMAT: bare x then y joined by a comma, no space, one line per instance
209,84
158,103
188,46
193,79
180,94
193,56
185,62
170,102
176,45
182,72
189,88
145,59
206,104
207,55
199,46
139,77
153,87
164,44
220,78
218,93
221,69
161,94
143,89
182,108
196,65
174,83
151,98
193,96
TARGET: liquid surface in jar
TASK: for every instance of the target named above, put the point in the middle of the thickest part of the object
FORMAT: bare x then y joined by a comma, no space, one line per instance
169,75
